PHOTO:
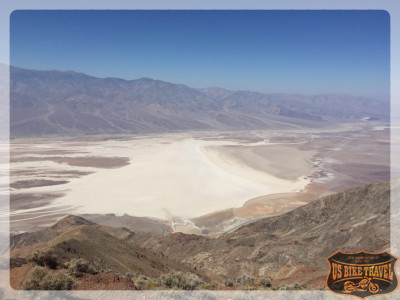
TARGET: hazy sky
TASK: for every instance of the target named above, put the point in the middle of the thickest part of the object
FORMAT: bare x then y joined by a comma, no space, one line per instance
304,52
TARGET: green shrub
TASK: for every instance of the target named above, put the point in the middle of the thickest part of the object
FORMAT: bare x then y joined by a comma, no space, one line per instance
78,266
45,258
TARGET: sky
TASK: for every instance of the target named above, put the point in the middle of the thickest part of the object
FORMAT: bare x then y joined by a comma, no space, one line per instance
290,51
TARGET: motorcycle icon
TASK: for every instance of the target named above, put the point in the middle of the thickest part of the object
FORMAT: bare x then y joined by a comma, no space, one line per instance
362,285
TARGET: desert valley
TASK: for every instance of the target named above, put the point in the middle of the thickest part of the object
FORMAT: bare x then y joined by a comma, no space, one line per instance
198,182
189,188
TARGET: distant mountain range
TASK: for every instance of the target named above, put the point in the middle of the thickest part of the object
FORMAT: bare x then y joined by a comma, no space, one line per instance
70,103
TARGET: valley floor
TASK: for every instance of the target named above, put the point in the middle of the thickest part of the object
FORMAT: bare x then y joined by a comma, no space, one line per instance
194,182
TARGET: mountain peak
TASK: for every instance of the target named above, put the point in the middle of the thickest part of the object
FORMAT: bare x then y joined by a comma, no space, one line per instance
72,221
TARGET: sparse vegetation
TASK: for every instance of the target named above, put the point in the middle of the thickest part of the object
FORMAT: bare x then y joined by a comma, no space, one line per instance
39,279
294,286
34,280
181,281
208,286
14,263
78,266
151,285
229,283
45,258
264,282
59,281
245,280
142,282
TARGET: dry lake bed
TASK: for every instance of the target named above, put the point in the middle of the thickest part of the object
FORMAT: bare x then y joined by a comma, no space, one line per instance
200,182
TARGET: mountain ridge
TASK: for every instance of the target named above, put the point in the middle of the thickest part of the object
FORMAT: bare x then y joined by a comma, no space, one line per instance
72,103
210,88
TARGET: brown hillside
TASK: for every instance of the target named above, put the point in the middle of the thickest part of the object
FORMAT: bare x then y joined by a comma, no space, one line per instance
288,248
291,247
103,247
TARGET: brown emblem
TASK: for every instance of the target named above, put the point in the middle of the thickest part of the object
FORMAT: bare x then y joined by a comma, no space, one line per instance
362,274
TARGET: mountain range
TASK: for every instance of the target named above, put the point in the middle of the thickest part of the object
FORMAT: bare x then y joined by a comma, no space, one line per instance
71,103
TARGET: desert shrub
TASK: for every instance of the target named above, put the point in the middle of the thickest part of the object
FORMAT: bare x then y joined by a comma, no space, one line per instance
247,287
45,258
167,280
34,279
229,283
284,287
141,284
296,286
265,282
39,279
151,285
293,286
78,266
17,262
181,281
58,281
140,281
208,286
245,280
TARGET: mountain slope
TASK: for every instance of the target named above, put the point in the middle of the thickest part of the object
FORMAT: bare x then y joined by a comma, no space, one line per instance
288,248
55,102
291,247
103,247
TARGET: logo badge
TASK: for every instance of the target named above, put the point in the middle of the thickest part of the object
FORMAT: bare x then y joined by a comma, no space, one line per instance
362,274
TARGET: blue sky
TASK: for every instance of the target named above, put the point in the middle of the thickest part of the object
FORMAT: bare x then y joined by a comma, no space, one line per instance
305,52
